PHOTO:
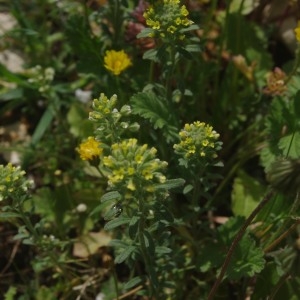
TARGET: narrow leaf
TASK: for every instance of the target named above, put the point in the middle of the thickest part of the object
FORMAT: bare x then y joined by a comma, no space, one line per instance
8,215
133,282
116,222
297,105
170,184
124,254
42,126
114,195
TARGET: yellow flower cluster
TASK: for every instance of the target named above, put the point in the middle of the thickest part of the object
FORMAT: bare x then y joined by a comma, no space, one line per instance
89,149
12,182
103,107
130,166
297,32
167,18
116,61
198,140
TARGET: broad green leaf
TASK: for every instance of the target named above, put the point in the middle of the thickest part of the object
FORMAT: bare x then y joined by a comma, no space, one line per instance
155,109
265,281
290,145
247,259
247,193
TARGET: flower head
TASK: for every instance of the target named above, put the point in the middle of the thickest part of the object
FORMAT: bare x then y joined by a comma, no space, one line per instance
130,166
109,119
198,141
116,61
167,18
89,149
297,32
276,84
13,182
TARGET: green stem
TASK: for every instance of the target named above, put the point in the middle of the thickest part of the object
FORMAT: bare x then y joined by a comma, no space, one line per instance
281,237
296,66
116,283
235,242
147,259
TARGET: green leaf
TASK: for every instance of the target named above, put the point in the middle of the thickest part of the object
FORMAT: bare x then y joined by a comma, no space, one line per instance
8,215
151,54
114,195
297,105
145,33
118,244
244,7
246,194
162,250
133,227
124,254
155,109
80,126
43,125
149,243
10,294
12,77
98,209
133,282
116,223
84,45
12,94
162,214
290,145
187,189
247,259
170,184
265,282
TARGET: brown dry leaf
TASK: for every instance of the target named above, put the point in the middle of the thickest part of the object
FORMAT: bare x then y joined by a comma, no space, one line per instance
89,244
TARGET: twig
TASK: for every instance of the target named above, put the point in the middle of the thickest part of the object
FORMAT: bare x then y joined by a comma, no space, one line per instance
12,256
133,291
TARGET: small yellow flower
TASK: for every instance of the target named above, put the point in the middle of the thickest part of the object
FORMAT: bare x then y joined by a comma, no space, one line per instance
89,149
297,32
116,61
198,139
